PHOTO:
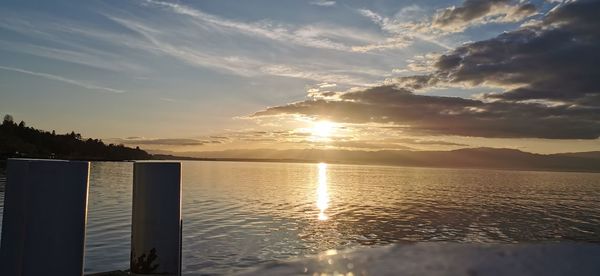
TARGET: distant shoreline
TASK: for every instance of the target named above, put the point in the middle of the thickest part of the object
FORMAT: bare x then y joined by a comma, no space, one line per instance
307,161
467,158
259,160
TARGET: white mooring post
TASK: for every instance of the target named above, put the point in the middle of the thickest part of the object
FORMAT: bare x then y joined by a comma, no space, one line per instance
45,211
156,219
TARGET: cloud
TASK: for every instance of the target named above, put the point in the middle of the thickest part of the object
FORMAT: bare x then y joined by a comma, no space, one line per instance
357,144
264,29
435,115
388,43
417,82
553,62
323,3
402,33
163,142
157,41
83,56
386,143
405,27
548,71
169,100
413,141
71,41
474,12
62,79
199,39
315,74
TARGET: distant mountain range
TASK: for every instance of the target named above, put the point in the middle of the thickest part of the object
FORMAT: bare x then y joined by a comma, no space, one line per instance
18,140
489,158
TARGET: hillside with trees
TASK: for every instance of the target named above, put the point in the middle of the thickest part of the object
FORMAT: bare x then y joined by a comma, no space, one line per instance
18,140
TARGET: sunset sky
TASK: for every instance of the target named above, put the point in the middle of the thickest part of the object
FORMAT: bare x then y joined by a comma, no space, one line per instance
209,75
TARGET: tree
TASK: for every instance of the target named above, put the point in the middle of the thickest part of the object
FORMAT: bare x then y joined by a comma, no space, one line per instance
8,120
19,140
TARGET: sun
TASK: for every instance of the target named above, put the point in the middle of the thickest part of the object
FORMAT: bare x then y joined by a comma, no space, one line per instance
323,129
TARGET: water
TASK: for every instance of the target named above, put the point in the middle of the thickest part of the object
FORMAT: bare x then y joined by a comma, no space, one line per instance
240,214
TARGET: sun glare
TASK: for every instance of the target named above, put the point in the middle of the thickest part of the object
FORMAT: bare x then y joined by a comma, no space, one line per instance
323,129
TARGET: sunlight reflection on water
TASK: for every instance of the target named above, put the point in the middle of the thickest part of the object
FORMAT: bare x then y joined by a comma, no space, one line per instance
240,214
322,194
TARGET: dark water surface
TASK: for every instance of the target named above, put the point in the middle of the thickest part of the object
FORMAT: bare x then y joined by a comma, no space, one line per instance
240,214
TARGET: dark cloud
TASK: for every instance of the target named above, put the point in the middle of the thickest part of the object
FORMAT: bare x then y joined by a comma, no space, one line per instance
163,142
424,142
549,71
435,115
555,60
417,82
481,11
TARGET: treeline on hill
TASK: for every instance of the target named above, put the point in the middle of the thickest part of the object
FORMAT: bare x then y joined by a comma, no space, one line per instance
18,140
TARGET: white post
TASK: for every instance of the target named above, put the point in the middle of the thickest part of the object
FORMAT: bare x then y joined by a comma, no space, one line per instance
156,219
45,211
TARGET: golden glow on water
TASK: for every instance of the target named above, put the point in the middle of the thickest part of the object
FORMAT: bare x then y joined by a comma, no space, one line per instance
228,203
322,194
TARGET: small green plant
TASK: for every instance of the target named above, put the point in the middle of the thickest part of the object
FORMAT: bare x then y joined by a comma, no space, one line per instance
143,263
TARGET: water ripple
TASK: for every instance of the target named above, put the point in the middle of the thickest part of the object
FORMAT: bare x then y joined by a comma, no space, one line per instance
241,214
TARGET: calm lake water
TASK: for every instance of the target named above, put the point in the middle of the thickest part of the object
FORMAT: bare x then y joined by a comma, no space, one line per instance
240,214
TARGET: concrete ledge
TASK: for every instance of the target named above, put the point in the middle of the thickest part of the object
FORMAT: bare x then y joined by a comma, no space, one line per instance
447,259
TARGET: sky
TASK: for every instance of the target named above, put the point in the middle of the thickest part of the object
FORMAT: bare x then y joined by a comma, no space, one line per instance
191,76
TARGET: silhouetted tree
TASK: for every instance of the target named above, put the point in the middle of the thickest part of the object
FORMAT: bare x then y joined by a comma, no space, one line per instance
30,142
8,120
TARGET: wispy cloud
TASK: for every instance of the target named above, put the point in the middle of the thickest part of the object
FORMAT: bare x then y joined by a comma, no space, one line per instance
402,33
323,3
163,141
167,100
155,43
239,65
62,79
82,56
70,41
389,43
265,29
316,75
283,47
